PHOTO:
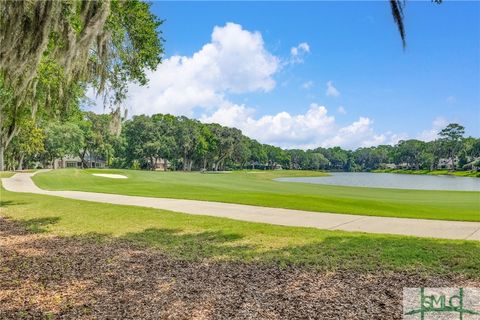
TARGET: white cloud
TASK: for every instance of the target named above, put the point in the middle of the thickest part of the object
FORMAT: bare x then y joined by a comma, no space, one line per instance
431,134
440,122
451,99
300,49
307,85
331,90
310,130
297,53
375,140
394,138
357,134
234,61
282,129
95,103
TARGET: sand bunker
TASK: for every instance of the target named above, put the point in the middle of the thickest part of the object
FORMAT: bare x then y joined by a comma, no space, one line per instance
109,175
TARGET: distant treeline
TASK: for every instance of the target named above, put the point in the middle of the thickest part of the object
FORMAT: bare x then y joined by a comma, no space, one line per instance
180,143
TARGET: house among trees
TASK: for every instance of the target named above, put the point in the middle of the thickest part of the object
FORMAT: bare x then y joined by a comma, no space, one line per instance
165,142
90,160
162,165
446,163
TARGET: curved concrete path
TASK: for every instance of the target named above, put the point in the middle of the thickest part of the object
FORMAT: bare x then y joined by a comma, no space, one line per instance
21,182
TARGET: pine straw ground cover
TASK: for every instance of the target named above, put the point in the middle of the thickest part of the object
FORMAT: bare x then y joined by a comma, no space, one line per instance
48,277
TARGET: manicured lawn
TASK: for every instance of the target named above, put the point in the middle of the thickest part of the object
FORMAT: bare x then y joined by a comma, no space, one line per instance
6,174
201,238
260,189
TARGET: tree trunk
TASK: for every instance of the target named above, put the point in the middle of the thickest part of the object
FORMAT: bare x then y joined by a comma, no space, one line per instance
184,161
20,162
82,158
2,160
152,164
5,141
2,147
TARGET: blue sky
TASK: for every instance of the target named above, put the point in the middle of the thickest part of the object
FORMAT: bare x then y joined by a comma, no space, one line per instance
379,93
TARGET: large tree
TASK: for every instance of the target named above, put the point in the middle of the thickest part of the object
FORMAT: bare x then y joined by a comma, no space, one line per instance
52,50
62,139
188,137
451,138
258,153
99,135
226,140
410,152
139,134
29,142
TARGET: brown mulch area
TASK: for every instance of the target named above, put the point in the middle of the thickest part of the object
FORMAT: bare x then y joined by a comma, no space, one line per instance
48,277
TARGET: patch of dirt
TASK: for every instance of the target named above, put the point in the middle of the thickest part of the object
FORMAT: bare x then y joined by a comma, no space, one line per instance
44,276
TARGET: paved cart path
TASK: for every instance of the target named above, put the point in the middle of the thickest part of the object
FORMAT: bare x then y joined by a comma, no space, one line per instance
22,182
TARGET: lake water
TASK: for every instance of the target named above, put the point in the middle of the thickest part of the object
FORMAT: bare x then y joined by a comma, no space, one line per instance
392,180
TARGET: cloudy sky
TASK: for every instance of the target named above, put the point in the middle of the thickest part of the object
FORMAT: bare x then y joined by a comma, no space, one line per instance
318,73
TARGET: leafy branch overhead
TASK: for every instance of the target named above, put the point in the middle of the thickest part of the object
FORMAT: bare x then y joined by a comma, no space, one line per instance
397,13
67,46
102,43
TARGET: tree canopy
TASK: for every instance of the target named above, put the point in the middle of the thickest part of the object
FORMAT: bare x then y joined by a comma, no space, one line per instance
67,46
179,143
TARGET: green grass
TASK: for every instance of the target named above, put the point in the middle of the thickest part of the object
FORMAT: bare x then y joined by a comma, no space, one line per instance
6,174
260,189
202,238
432,172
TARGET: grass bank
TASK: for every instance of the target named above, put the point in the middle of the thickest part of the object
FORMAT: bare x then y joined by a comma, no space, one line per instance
201,238
6,174
258,188
432,172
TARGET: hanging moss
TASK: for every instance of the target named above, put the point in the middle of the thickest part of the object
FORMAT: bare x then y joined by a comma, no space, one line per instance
51,50
72,27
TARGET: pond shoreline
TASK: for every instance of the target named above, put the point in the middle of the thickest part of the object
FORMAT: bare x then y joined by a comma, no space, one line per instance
392,181
469,174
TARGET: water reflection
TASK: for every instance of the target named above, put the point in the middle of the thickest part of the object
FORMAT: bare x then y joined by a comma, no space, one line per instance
392,180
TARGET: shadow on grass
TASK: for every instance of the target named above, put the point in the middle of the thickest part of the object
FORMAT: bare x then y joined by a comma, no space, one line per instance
39,225
107,277
372,253
328,251
365,253
8,203
192,246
